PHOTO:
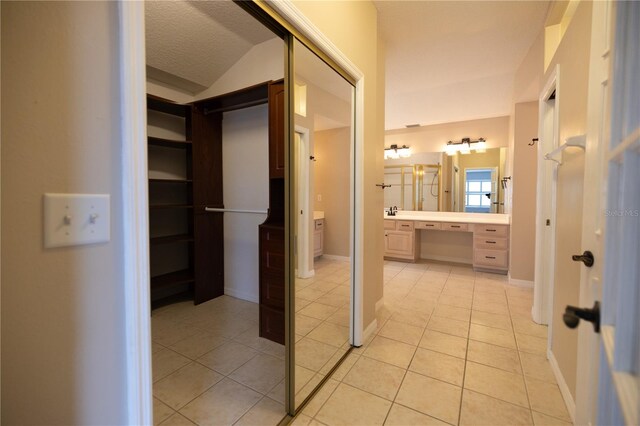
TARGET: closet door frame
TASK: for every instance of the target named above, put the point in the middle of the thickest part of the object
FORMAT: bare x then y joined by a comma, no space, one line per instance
132,54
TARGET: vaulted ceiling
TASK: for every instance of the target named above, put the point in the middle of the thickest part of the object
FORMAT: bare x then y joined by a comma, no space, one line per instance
454,60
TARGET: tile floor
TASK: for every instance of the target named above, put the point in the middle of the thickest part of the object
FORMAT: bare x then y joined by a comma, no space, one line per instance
452,347
210,366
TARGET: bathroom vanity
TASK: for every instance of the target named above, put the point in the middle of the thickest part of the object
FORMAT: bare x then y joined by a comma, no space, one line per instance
318,233
485,242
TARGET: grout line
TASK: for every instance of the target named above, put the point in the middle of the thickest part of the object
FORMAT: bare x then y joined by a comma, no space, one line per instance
466,356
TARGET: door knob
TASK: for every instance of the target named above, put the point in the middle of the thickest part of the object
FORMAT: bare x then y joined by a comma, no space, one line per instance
586,258
573,315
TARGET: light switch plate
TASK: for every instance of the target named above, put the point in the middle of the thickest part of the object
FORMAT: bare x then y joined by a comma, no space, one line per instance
76,219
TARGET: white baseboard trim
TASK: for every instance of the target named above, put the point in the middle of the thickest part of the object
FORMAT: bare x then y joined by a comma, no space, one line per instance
336,257
520,283
564,389
449,259
249,297
379,303
369,330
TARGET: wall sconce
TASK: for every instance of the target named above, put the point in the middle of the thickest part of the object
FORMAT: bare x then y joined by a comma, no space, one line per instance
465,146
394,152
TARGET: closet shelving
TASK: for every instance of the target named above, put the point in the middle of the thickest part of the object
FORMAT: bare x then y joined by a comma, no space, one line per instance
170,200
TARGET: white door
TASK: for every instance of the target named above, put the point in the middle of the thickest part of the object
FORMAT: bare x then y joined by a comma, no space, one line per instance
608,363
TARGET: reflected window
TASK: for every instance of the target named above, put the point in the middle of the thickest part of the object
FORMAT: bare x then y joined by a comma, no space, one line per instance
478,191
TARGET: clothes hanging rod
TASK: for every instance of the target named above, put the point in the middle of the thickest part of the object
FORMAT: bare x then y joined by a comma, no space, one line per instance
217,210
574,141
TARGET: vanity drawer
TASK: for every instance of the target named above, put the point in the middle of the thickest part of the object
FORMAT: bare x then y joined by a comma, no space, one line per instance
428,225
389,225
490,243
404,225
319,224
454,226
494,230
492,258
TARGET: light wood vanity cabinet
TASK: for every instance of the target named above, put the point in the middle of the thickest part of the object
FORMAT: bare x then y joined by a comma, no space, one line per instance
490,242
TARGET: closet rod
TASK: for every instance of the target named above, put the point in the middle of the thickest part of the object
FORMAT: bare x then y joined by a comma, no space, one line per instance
212,209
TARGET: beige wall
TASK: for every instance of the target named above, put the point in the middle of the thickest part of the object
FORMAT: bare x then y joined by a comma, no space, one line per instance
434,138
523,215
573,57
63,333
332,176
352,27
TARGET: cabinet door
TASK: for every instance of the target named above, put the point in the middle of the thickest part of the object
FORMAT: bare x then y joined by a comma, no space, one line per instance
276,130
317,243
398,243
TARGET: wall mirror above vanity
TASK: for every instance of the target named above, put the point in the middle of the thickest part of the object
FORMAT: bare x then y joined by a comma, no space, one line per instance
472,182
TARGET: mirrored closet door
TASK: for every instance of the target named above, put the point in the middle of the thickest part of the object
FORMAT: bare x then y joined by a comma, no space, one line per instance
322,194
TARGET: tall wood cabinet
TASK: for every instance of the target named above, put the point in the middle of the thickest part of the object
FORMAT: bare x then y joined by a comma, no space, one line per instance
271,232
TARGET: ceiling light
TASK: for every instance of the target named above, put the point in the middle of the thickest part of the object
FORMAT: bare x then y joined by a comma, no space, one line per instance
394,152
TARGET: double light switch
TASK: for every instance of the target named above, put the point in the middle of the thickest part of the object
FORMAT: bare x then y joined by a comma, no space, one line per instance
76,219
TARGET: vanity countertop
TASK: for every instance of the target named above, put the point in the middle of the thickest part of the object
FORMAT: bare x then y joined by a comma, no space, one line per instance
488,218
317,214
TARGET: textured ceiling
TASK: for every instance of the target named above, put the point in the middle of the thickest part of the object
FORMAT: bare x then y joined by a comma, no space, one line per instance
454,60
191,44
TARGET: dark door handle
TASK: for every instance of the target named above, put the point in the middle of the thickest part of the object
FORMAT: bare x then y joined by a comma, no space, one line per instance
586,258
573,315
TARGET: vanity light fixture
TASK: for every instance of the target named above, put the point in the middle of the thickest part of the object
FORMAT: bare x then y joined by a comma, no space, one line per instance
465,146
394,152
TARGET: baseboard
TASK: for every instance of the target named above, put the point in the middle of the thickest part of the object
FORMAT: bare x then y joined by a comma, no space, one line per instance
564,389
249,297
449,259
379,303
336,257
520,283
371,328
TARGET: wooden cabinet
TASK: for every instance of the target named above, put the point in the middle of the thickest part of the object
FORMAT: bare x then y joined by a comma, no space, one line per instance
170,200
271,233
400,240
318,237
491,247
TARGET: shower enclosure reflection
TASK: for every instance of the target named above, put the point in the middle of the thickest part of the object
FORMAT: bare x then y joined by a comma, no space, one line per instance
322,206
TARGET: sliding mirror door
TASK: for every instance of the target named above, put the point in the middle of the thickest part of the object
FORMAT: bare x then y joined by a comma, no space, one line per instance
322,206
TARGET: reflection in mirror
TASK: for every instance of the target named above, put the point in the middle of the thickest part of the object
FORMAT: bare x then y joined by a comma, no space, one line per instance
323,175
435,181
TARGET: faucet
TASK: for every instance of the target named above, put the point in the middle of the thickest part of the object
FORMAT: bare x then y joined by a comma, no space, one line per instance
392,211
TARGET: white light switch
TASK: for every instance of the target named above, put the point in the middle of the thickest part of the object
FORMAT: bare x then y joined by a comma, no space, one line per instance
76,219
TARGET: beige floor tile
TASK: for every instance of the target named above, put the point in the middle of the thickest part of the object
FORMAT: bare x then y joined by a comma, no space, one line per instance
198,344
496,383
445,343
300,304
344,367
308,388
309,293
520,311
313,406
415,318
478,409
390,351
182,386
403,416
449,326
341,317
494,356
312,354
350,406
438,366
424,295
332,299
494,336
177,420
402,332
156,347
305,324
262,373
540,419
226,358
167,332
491,307
265,412
531,344
437,267
453,312
277,393
161,411
547,399
331,334
375,377
417,305
482,296
224,403
537,367
491,320
429,396
318,311
301,420
457,301
527,326
166,362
